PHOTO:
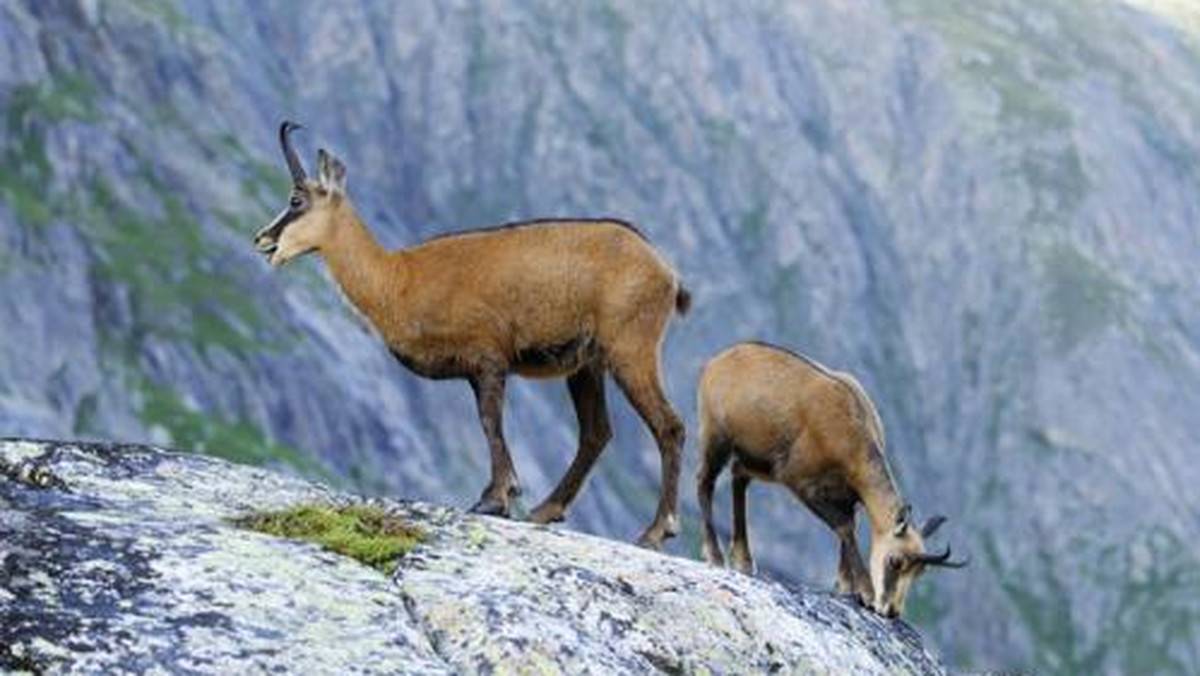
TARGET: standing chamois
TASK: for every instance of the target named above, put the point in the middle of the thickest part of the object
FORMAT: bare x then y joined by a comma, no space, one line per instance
543,299
785,419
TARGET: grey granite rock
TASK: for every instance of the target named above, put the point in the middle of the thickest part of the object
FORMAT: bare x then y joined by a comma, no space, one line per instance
121,559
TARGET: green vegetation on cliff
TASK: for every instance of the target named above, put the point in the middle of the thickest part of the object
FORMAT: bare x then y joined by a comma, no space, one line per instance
364,532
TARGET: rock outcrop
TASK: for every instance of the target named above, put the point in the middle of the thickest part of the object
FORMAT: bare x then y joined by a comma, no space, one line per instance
122,558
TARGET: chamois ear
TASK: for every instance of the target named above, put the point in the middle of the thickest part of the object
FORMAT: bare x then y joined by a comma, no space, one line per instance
332,172
932,524
903,520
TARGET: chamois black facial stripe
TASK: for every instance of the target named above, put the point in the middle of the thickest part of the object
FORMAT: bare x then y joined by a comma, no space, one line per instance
291,215
890,573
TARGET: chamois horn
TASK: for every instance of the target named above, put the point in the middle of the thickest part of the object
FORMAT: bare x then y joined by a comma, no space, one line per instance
941,559
289,153
931,525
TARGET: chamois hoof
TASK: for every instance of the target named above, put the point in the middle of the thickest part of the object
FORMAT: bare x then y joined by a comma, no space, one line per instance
743,564
490,507
548,512
650,541
713,555
654,537
854,599
661,529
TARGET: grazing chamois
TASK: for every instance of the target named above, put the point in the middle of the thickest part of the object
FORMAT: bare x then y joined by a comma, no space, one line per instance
785,419
552,298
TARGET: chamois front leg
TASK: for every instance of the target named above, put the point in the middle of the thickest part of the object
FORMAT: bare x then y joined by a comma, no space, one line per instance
853,578
489,398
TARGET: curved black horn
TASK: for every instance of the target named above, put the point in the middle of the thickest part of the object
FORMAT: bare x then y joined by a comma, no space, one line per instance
289,153
932,524
941,559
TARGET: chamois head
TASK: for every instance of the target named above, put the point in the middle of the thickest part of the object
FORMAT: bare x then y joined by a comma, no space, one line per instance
898,557
306,223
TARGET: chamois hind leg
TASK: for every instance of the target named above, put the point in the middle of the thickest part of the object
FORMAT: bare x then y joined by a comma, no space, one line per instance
636,371
739,551
591,410
489,398
714,455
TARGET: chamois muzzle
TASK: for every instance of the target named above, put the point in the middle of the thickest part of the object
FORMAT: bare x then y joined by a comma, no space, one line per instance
266,241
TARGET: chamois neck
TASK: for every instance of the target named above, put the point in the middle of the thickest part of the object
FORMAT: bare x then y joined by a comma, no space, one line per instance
878,492
359,264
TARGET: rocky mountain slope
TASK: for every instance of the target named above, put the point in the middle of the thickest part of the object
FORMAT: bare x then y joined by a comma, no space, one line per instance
985,210
124,557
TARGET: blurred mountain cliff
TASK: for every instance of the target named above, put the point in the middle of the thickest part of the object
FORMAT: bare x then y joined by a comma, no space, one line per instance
985,210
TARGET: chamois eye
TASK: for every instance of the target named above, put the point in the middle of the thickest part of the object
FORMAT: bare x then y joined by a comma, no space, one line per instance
297,201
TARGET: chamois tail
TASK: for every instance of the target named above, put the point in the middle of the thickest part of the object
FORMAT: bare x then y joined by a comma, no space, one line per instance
683,300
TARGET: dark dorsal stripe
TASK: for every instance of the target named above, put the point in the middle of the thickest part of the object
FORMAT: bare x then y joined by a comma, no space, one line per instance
542,221
804,358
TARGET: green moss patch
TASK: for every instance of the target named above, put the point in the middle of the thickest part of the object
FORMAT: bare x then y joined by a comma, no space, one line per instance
363,532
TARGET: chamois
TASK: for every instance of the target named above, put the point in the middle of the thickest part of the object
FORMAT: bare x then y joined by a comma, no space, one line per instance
785,419
552,298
